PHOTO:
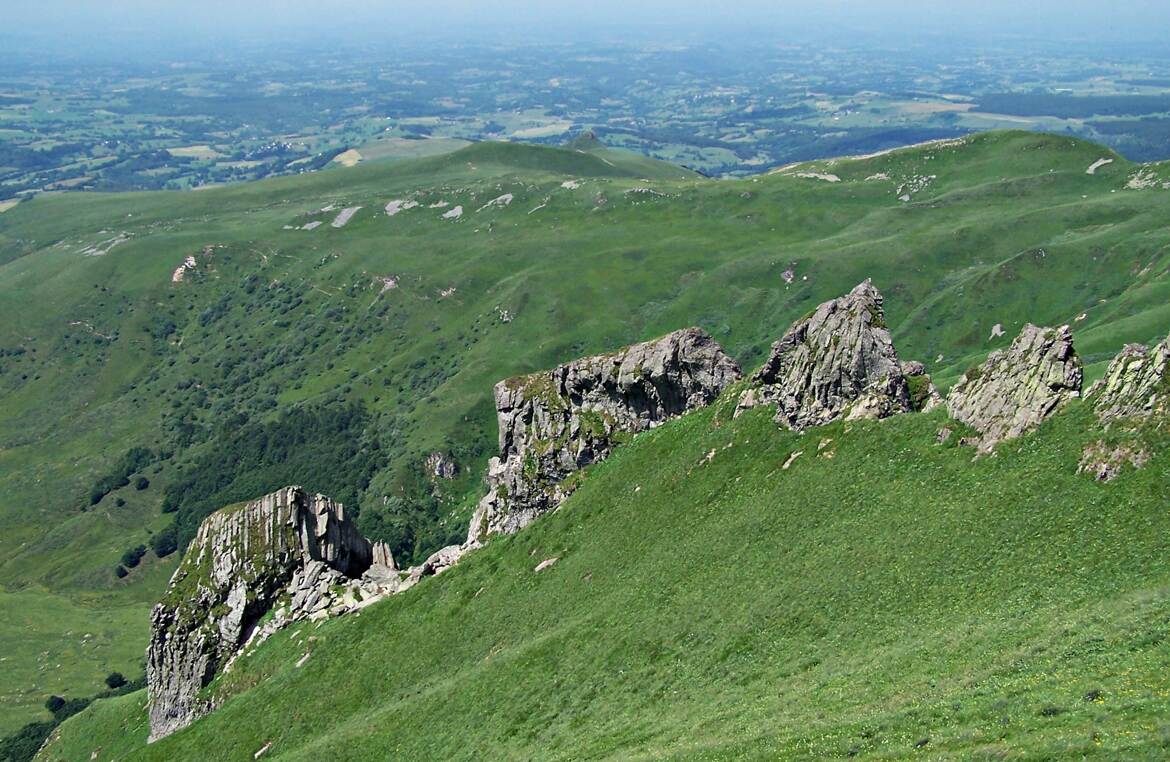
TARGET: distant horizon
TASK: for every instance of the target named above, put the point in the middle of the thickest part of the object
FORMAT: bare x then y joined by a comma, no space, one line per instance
87,25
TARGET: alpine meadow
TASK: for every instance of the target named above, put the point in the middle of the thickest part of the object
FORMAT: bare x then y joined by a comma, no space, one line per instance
589,426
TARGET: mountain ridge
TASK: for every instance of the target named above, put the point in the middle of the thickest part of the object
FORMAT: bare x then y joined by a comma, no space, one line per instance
104,351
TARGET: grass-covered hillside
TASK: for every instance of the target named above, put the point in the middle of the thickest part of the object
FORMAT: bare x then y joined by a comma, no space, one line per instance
134,400
879,595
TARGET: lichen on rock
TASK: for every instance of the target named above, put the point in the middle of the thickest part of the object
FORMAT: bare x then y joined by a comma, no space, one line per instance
553,423
1016,388
1134,385
838,362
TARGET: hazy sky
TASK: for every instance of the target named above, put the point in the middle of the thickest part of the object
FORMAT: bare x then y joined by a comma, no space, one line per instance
93,19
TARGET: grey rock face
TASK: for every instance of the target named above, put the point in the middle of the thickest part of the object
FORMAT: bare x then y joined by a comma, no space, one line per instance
1135,385
556,422
837,362
439,466
436,563
288,546
1018,387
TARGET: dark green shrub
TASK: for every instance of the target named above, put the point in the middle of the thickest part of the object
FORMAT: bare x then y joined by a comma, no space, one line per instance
132,557
165,542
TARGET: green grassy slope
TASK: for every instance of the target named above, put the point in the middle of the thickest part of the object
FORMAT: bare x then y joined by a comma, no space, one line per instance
884,596
102,353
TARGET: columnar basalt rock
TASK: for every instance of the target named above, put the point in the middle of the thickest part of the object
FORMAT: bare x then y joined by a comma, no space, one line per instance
1018,387
556,422
1135,384
290,550
837,362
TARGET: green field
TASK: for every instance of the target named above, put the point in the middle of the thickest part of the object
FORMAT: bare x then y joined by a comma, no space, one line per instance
278,328
884,596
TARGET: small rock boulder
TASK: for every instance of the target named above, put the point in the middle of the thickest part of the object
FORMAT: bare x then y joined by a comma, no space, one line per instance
1016,388
837,362
439,466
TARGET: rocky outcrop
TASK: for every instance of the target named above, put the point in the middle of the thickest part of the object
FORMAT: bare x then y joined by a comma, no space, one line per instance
439,466
1135,384
1018,387
837,362
556,422
290,551
1133,390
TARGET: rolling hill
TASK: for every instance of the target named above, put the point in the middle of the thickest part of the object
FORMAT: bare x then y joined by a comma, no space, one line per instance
341,355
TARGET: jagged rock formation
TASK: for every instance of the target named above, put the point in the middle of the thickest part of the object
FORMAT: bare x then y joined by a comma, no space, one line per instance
291,551
556,422
1135,385
1133,390
1018,387
837,362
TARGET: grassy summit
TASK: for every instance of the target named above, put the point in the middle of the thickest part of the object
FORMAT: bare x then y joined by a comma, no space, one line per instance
341,357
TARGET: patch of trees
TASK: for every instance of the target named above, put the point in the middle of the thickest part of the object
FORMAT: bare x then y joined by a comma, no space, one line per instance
135,459
1067,106
133,556
328,448
165,542
23,744
1146,139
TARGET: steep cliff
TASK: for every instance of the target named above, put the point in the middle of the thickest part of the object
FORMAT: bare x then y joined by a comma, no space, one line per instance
838,361
556,422
287,550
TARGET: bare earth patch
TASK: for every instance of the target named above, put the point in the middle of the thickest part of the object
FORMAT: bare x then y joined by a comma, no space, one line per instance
188,264
399,205
99,249
501,202
819,176
1092,170
453,214
8,204
345,216
349,158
